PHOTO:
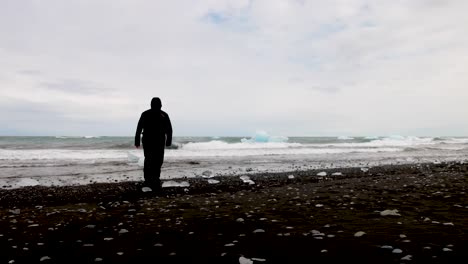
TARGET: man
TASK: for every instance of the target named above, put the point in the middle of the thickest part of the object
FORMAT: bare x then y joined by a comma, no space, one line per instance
157,133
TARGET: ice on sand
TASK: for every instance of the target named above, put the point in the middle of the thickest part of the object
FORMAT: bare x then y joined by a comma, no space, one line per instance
390,212
243,260
246,179
359,234
322,174
213,181
175,184
146,189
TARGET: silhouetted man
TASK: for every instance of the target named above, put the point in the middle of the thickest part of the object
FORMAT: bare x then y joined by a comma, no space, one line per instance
157,133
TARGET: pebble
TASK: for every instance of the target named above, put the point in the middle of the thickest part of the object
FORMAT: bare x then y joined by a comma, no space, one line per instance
98,259
322,174
259,259
446,249
108,238
240,220
229,245
158,245
397,251
259,231
123,231
407,257
386,247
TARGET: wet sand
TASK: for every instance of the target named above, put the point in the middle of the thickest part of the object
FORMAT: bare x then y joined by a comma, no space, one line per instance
279,219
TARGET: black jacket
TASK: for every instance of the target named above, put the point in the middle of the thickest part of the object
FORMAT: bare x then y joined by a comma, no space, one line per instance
156,126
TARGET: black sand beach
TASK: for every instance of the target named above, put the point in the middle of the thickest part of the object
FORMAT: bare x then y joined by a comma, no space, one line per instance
305,219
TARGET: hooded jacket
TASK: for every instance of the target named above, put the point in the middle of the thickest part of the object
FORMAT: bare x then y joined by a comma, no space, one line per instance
155,125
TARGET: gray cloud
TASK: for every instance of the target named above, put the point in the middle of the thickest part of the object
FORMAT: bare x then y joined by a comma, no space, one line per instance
367,67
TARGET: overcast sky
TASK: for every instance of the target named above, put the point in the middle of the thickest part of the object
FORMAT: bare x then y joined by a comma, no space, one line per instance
232,67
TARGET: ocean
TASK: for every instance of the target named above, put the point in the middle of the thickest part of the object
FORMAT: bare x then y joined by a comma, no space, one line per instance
60,160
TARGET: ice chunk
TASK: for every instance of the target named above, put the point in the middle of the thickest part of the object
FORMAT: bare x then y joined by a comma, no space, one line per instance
175,184
146,189
397,251
390,212
213,181
291,176
359,234
259,259
246,179
337,174
407,257
243,260
322,174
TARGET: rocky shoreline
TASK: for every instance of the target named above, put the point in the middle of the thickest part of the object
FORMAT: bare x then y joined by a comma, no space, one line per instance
389,214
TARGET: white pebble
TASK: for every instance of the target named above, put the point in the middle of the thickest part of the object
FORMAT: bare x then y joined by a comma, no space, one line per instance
448,224
446,249
259,259
240,220
229,245
259,231
108,238
324,251
319,205
322,174
397,251
98,259
123,231
386,247
291,176
407,257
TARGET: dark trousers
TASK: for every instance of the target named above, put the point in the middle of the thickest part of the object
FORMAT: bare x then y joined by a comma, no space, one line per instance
154,158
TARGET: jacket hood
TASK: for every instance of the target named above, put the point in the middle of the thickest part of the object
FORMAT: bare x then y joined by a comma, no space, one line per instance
156,103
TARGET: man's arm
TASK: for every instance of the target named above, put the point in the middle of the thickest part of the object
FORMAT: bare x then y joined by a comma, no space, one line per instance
168,131
138,131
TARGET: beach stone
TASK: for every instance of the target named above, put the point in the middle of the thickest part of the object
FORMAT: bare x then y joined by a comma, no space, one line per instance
259,259
98,259
259,231
123,231
322,174
407,257
397,251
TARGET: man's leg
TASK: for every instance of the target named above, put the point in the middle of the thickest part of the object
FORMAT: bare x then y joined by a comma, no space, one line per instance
157,163
149,168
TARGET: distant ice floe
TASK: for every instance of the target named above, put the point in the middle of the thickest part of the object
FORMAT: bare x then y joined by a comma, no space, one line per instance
175,184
